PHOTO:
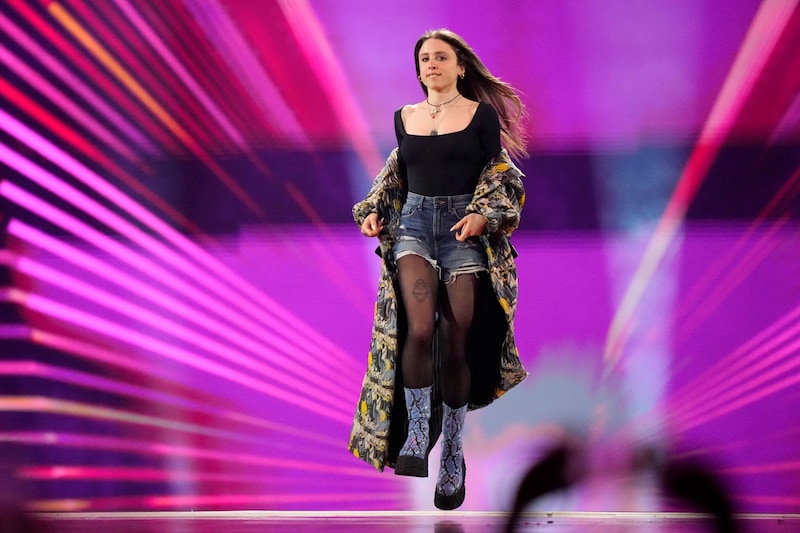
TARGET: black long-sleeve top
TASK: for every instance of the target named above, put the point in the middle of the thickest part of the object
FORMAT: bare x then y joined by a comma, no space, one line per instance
448,164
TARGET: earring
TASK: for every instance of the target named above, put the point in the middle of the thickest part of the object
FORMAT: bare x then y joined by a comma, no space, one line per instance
419,78
461,76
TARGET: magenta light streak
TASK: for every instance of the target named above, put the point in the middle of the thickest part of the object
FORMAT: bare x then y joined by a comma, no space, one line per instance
132,337
74,167
787,466
792,501
765,357
759,42
169,58
92,352
58,69
14,331
178,354
38,206
764,31
48,122
223,33
62,101
7,257
788,124
730,368
778,206
92,45
310,37
226,500
58,472
77,440
10,294
746,256
755,386
783,201
748,374
158,298
296,339
337,267
82,64
200,341
77,506
746,262
42,404
724,387
304,334
189,42
148,72
91,381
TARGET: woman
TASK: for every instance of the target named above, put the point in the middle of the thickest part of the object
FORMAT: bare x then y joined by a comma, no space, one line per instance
444,206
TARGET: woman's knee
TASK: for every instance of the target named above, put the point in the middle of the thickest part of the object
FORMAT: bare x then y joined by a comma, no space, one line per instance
455,331
420,334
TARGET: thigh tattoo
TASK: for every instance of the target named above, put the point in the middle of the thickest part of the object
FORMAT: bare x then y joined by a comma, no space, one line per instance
420,290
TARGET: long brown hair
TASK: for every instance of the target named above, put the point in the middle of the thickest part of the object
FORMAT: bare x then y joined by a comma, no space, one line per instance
479,84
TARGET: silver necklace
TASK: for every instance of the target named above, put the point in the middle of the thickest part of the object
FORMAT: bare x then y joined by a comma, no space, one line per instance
438,107
435,129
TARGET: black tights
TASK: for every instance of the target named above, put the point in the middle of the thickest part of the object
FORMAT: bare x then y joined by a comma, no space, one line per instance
423,295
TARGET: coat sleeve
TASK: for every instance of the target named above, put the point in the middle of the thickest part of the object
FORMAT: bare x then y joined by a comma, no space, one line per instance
386,195
500,195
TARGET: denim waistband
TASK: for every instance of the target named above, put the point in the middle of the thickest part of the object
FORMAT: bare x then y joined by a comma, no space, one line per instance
440,201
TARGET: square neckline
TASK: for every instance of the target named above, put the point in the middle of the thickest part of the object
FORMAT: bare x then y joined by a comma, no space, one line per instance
471,121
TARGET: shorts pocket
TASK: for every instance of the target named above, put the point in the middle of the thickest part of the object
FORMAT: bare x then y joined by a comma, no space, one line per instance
409,209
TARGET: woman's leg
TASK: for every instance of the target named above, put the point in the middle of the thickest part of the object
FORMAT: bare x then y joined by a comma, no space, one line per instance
458,310
419,286
418,290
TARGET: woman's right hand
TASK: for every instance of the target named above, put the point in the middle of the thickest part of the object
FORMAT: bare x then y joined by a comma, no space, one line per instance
371,226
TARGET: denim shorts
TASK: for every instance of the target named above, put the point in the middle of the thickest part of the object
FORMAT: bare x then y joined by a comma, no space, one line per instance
424,230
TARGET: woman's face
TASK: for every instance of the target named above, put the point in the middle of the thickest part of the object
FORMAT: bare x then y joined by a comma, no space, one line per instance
438,65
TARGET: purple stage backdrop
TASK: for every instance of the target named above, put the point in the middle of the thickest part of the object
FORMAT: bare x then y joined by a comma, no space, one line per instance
186,304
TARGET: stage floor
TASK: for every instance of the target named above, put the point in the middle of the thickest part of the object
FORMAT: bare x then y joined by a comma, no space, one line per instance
398,522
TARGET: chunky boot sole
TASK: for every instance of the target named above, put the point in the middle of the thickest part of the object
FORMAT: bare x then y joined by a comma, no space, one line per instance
409,465
448,503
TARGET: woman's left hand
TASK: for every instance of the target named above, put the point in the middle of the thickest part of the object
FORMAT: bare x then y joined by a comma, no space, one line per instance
470,226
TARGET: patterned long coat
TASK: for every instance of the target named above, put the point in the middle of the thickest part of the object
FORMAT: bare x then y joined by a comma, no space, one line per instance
379,425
